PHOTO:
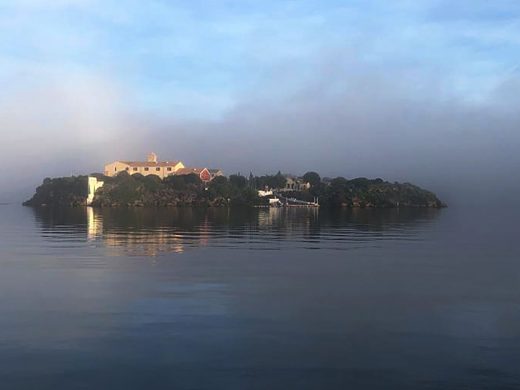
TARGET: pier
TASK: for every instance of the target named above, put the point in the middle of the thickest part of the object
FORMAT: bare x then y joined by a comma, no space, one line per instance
293,202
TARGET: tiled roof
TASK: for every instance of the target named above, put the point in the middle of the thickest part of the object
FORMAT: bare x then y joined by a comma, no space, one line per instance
188,171
151,164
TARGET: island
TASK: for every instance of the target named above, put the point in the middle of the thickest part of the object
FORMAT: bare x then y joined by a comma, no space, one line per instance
278,190
154,183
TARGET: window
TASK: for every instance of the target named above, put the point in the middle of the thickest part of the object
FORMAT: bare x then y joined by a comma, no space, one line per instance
135,169
126,169
115,168
157,169
146,169
169,169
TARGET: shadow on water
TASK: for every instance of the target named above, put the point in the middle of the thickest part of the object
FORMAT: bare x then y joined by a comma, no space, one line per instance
148,231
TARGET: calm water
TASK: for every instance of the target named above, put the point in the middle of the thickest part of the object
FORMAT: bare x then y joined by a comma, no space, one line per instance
269,299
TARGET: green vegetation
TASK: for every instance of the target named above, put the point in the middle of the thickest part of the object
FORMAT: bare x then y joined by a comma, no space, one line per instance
363,192
188,190
63,191
137,190
312,178
271,181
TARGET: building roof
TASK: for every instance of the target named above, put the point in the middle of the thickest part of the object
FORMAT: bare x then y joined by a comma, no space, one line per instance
151,164
188,171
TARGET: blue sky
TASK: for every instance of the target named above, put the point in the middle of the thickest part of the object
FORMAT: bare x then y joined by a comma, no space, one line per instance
197,58
214,82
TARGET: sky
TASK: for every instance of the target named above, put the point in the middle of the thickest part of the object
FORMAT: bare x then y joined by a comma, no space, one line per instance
425,91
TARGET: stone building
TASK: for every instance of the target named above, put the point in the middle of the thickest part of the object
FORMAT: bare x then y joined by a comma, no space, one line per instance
145,168
161,169
295,184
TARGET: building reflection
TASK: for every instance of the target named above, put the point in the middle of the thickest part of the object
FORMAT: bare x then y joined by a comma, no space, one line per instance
133,238
94,224
150,232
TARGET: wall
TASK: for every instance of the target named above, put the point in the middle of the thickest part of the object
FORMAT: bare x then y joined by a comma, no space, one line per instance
93,186
116,167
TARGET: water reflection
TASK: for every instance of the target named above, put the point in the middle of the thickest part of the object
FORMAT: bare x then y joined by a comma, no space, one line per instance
406,299
153,231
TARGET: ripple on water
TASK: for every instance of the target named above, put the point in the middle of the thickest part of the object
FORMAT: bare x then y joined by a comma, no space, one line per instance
155,231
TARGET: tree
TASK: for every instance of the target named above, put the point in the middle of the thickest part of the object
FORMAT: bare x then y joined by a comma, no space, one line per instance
337,192
271,181
175,182
192,178
238,181
152,183
279,180
219,180
312,178
251,181
339,183
219,186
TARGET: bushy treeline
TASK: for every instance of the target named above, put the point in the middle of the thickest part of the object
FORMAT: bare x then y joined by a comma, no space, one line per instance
189,190
270,181
358,192
363,192
139,190
62,191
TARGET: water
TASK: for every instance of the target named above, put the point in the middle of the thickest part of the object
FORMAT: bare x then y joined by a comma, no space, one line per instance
261,299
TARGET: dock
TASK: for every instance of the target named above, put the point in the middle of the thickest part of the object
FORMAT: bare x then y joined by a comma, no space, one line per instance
293,202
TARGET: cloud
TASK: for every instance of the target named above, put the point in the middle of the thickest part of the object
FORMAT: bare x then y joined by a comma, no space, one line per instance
407,90
46,4
352,119
341,116
53,123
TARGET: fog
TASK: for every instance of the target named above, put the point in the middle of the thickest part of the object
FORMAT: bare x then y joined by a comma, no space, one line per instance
340,109
345,119
352,120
